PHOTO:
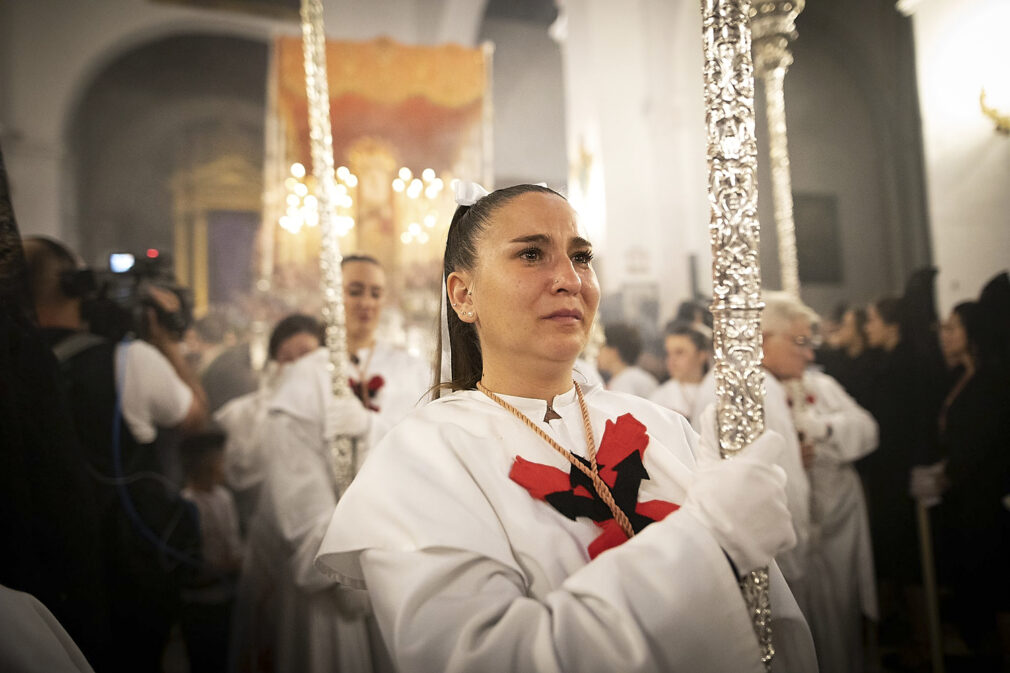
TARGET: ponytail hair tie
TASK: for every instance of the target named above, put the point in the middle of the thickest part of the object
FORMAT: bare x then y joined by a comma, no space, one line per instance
469,193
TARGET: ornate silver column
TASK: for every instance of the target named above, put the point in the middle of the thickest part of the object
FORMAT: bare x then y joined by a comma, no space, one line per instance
773,25
736,272
321,139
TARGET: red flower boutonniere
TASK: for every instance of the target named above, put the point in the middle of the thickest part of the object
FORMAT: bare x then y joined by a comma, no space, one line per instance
367,392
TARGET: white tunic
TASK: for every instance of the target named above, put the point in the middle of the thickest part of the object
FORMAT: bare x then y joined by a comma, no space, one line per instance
677,396
842,585
467,571
242,419
32,640
633,380
289,612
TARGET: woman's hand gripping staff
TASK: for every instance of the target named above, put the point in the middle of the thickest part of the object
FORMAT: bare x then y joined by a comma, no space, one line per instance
742,500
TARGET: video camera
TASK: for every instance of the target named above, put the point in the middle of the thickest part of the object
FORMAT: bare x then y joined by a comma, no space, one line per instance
116,300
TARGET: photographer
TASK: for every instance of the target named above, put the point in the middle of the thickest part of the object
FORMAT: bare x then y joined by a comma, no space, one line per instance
120,395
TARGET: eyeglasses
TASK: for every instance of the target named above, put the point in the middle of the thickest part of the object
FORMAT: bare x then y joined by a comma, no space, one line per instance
803,341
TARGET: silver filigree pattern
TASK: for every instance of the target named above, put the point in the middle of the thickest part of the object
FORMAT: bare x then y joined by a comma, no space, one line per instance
736,269
317,90
773,25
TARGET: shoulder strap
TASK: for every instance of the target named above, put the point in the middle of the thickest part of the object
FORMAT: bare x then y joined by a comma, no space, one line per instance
75,344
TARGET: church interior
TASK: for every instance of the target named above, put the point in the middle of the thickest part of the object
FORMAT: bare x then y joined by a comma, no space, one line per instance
173,141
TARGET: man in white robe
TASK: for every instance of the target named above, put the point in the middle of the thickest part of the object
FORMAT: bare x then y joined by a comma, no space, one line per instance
793,562
842,587
831,431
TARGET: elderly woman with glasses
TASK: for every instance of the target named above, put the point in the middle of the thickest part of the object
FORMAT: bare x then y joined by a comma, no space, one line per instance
833,432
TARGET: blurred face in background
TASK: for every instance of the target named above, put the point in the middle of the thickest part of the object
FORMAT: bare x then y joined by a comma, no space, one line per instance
787,353
364,293
684,361
295,346
953,340
879,333
848,333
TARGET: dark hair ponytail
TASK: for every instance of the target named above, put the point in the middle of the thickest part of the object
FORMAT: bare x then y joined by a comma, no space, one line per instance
468,223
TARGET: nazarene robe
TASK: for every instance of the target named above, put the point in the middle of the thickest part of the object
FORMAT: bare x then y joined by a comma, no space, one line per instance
481,549
841,583
291,617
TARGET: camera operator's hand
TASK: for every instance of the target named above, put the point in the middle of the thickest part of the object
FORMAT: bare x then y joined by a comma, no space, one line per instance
166,341
168,302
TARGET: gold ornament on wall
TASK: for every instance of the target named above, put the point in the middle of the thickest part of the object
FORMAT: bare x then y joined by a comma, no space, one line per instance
1000,118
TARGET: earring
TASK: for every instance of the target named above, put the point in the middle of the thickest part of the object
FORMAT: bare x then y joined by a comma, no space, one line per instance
468,314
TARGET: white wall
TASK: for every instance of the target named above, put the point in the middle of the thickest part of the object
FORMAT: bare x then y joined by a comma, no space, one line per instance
634,102
529,104
961,46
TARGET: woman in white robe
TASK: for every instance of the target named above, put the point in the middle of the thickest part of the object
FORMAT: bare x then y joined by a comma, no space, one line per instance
482,548
293,617
242,418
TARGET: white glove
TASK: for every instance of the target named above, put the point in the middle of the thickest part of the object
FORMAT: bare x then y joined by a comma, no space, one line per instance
811,426
926,484
742,501
346,416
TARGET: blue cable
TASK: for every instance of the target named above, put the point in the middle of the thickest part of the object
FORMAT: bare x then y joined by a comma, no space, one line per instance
124,494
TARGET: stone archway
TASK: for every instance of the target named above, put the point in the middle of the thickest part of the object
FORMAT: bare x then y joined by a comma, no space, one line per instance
161,115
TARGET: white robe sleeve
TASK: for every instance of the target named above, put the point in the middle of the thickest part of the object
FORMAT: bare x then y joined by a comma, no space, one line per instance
241,419
648,605
299,495
853,430
32,640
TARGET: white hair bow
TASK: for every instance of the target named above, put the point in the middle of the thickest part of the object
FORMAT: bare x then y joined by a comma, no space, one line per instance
468,193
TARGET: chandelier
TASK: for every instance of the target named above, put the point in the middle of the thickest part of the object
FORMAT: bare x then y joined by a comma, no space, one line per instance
302,206
418,204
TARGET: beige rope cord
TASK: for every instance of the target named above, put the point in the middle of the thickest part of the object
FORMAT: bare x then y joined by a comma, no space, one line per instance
593,473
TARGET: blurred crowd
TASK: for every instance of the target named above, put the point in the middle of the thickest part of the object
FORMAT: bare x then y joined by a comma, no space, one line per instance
901,473
163,488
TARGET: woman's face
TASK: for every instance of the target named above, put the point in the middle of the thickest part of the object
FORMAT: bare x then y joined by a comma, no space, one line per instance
535,293
848,332
364,290
876,328
684,362
295,346
953,339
